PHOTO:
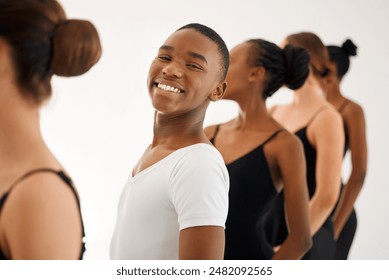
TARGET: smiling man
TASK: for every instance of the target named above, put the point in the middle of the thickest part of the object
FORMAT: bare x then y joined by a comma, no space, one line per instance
175,204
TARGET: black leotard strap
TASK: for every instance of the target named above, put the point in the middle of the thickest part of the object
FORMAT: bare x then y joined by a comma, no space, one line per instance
272,136
32,172
344,104
315,115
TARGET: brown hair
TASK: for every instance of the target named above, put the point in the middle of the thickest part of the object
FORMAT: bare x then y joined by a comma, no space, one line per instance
317,51
44,42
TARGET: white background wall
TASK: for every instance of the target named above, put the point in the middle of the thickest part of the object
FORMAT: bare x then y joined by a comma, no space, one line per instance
99,124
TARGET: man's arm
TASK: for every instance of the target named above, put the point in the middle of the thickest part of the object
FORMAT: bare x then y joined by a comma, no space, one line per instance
201,243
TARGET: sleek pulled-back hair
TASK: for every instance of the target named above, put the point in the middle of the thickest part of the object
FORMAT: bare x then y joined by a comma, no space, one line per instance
316,50
215,37
288,66
44,42
341,56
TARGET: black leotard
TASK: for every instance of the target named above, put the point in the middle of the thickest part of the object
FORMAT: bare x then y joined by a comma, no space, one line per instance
323,241
323,247
250,195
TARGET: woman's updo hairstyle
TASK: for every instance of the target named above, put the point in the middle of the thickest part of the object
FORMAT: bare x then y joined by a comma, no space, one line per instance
341,56
316,50
44,42
287,66
297,66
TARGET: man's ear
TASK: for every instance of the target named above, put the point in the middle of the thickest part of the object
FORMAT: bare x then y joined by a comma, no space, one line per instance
257,73
218,92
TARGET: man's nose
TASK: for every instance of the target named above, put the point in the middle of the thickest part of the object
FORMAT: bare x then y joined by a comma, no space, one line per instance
173,69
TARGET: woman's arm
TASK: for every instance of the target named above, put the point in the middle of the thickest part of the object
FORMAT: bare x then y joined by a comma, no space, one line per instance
327,136
355,123
41,220
291,162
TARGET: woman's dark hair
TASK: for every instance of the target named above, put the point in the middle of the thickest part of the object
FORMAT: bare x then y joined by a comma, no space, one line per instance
316,50
215,37
288,66
44,42
341,56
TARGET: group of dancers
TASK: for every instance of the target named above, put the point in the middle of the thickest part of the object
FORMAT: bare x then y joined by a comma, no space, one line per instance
265,185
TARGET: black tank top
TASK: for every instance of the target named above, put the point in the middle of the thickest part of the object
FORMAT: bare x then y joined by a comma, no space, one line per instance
310,154
323,246
275,224
251,192
67,181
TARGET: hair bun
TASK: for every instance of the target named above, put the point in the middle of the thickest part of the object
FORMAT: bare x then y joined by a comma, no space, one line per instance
296,66
349,48
76,48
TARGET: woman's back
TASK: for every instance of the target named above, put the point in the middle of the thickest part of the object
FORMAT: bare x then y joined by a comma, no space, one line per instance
40,211
317,125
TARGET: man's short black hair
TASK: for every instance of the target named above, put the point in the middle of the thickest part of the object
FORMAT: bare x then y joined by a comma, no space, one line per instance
212,35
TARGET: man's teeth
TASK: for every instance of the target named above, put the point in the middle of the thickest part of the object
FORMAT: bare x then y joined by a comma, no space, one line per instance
168,88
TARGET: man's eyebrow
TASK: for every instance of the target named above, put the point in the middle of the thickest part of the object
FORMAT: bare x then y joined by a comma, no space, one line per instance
168,48
198,56
192,54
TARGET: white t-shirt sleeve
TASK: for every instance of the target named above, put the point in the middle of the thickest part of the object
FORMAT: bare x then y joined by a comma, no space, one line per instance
199,188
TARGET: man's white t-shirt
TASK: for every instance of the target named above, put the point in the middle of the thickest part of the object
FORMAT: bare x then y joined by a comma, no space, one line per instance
187,188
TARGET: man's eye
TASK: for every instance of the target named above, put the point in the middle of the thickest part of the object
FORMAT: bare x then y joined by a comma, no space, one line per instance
195,66
164,58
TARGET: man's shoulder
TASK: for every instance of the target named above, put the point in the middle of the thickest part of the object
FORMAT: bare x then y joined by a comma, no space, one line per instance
201,152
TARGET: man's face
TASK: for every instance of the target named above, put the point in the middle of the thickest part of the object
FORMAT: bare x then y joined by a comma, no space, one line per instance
185,73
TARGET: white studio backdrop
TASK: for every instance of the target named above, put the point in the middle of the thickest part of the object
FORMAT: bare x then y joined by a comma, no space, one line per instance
99,124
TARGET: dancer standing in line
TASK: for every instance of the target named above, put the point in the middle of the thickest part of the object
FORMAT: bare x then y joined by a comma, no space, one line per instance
262,158
175,204
39,207
344,217
319,126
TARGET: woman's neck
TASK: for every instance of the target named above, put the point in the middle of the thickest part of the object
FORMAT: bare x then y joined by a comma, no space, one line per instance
20,135
252,112
334,96
309,94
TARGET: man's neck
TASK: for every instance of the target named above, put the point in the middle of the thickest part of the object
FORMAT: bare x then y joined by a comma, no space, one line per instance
178,131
